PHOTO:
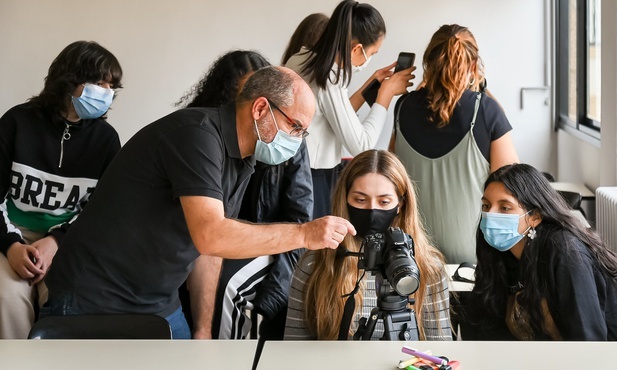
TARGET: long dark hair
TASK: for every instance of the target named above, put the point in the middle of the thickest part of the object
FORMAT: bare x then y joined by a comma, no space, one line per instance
78,63
220,84
306,34
350,21
534,193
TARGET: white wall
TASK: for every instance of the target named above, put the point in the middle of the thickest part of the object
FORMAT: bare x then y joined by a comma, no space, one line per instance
165,46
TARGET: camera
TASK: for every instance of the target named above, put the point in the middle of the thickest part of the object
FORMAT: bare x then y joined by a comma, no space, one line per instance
391,254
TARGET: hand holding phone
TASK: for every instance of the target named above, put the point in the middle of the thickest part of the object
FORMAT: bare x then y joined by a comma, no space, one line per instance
405,60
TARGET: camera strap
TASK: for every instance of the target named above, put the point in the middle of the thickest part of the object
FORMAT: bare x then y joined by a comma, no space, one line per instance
350,305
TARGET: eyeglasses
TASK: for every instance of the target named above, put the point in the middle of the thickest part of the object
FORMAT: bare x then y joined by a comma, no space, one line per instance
297,130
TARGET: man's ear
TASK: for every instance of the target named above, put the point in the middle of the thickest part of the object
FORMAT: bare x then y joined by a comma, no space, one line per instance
260,108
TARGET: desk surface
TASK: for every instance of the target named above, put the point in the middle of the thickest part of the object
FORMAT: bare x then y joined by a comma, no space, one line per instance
385,355
127,354
577,188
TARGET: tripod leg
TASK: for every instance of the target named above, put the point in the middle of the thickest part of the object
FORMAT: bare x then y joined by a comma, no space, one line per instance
369,327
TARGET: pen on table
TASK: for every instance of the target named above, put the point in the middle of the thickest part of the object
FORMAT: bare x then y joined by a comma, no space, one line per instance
422,367
410,361
426,356
411,367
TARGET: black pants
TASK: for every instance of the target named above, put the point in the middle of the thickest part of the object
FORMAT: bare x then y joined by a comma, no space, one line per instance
324,180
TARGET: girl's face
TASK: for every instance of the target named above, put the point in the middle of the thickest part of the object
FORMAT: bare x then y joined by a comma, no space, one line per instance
361,53
372,191
497,199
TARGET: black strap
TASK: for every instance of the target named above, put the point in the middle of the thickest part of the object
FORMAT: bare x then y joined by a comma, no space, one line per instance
350,305
457,277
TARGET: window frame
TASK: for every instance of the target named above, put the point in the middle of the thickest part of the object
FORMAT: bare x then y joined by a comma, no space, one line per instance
583,126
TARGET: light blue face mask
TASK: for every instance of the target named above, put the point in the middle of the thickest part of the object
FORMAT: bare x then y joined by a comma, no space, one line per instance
280,149
93,102
501,230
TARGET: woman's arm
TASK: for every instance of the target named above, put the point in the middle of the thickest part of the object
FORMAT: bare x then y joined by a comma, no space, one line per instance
436,310
576,292
502,152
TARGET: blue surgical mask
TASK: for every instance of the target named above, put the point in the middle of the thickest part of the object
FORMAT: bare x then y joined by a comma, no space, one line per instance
93,102
280,149
501,230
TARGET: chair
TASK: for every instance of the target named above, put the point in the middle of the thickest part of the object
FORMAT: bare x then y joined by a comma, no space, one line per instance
129,326
573,199
549,176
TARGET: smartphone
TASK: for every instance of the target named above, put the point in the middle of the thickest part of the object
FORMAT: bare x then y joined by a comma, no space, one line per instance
405,60
370,93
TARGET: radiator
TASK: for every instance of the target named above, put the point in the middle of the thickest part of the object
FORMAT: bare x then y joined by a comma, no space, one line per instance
606,215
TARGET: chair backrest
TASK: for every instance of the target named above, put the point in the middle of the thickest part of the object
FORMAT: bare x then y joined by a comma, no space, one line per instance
129,326
574,199
549,176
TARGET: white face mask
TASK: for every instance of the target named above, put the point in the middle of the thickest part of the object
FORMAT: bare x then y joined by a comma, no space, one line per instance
363,65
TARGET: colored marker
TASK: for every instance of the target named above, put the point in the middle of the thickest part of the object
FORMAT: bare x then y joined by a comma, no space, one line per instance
410,361
426,356
411,367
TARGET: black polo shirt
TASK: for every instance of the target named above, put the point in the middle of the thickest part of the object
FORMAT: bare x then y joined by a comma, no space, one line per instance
130,249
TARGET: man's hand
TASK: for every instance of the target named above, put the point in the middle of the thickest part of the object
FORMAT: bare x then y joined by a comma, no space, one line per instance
326,232
24,260
47,248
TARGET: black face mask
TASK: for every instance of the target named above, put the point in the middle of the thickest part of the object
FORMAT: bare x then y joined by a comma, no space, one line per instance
368,221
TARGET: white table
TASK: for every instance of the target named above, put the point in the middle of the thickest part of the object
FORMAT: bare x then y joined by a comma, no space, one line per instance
574,187
579,215
127,354
385,355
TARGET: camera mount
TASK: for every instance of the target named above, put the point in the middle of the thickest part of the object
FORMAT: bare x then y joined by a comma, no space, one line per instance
398,319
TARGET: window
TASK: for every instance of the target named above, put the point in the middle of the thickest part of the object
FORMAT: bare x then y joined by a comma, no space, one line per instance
578,65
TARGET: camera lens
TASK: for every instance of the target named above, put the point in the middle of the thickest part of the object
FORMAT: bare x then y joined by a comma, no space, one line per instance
406,285
402,271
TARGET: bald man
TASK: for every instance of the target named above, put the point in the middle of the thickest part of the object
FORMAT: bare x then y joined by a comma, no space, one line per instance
168,195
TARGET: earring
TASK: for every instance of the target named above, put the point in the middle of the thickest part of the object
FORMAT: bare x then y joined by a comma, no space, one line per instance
472,81
532,233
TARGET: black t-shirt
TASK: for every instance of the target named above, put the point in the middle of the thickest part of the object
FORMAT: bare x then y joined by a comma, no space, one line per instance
430,141
130,249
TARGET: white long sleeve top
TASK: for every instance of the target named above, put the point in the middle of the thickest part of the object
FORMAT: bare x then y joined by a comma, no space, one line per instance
336,123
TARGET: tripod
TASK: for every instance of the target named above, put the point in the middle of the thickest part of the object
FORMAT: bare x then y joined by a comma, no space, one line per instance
399,320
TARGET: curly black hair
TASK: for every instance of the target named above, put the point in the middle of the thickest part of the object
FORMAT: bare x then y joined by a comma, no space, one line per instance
220,84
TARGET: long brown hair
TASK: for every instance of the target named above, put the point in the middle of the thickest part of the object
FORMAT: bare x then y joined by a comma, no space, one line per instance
452,65
334,277
306,34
